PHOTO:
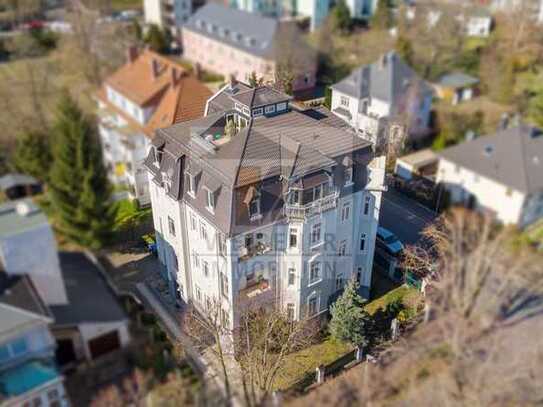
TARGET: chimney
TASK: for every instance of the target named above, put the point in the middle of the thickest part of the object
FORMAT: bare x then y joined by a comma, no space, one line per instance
154,68
232,82
131,54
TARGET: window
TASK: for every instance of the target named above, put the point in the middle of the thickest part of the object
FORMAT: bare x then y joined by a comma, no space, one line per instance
270,109
290,311
339,281
52,394
191,185
225,320
293,238
198,294
205,268
342,250
317,192
249,240
316,233
221,238
195,259
314,272
254,208
291,276
348,175
344,101
365,106
281,106
193,223
223,281
257,112
363,242
210,204
18,347
359,275
346,212
312,307
171,226
294,197
367,201
203,231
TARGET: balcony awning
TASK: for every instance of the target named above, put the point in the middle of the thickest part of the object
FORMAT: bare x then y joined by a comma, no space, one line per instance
314,180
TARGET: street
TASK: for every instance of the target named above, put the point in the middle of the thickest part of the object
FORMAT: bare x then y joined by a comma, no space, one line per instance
404,217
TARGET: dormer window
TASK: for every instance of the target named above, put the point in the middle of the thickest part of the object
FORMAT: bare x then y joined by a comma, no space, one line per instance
344,101
210,201
257,112
269,109
252,200
254,208
191,185
348,176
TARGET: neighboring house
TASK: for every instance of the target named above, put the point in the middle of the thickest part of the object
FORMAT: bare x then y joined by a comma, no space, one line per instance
362,9
457,87
383,96
315,10
16,186
235,43
87,320
500,175
147,93
167,14
479,22
282,208
534,7
28,372
422,163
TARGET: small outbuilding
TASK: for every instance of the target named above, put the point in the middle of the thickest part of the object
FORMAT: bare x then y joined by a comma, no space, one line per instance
16,186
457,87
422,163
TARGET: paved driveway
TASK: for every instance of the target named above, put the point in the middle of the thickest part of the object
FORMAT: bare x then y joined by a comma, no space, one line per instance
403,216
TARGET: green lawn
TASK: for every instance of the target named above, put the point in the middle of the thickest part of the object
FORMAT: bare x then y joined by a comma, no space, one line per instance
303,362
407,295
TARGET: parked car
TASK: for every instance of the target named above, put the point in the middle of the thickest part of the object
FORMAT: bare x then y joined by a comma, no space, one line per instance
389,241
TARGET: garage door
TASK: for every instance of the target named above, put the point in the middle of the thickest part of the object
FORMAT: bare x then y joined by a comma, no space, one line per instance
104,344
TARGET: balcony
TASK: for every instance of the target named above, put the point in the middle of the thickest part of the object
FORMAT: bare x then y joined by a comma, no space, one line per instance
302,212
257,290
258,249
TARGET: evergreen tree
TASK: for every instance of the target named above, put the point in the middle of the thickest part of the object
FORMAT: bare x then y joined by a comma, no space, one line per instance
32,155
383,18
349,319
341,17
157,39
78,186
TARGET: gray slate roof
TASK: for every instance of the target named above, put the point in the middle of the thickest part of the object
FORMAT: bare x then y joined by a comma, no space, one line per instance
386,81
457,80
19,292
513,157
223,100
246,31
12,222
260,96
15,179
90,298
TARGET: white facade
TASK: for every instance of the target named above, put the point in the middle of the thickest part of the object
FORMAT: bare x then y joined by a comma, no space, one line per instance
366,115
124,147
362,9
479,26
316,10
508,205
267,264
167,13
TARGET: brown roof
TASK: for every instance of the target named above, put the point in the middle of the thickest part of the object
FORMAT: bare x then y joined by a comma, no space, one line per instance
177,95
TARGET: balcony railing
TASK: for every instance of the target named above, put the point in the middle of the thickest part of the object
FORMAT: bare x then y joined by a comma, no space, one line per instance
301,212
258,249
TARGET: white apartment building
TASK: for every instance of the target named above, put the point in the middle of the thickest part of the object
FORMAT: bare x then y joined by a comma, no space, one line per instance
282,210
170,14
146,93
381,95
362,9
501,175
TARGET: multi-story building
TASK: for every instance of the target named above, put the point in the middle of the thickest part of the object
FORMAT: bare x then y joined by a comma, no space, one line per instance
500,175
167,14
261,202
28,372
85,316
530,7
146,93
236,43
385,95
362,9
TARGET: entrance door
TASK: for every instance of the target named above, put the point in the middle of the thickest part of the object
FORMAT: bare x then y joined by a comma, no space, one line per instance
104,344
